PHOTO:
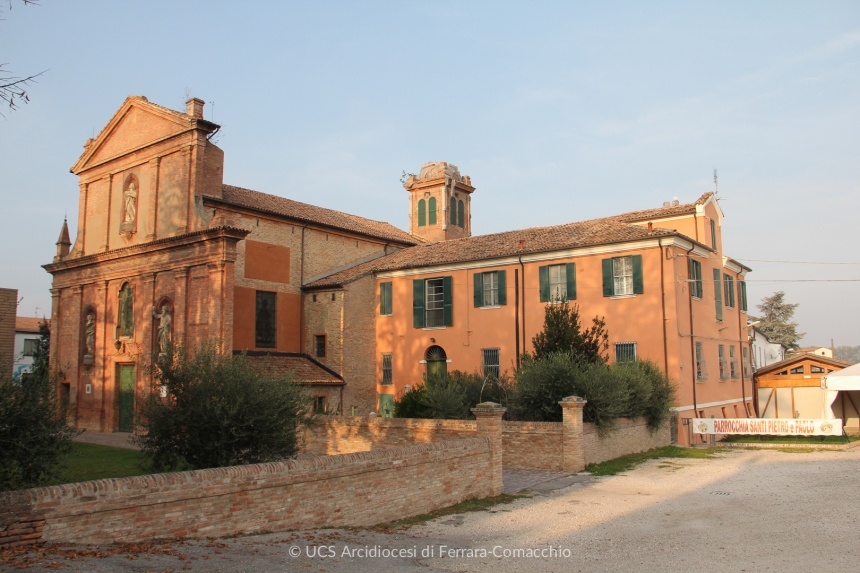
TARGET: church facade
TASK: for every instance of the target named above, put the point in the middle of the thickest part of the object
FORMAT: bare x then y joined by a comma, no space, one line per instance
166,254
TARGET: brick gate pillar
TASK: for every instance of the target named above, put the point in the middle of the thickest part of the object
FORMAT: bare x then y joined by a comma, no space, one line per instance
573,455
489,417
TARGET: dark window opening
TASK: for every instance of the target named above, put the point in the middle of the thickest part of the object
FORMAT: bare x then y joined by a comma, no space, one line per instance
266,323
319,345
387,378
625,351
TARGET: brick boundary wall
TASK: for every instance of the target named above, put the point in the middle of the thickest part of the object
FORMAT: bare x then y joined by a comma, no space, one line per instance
629,437
562,446
356,489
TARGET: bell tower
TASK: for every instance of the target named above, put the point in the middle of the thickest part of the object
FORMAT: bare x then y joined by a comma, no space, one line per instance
440,203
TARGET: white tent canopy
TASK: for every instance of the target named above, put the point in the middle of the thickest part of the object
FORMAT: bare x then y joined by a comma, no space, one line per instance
845,379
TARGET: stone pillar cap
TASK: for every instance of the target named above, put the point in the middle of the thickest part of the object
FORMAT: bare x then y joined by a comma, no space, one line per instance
571,400
488,407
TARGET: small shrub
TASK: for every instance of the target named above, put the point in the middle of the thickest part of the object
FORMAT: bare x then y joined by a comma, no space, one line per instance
562,332
34,433
450,397
220,411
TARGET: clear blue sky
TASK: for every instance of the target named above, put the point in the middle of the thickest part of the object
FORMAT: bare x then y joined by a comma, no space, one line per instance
558,111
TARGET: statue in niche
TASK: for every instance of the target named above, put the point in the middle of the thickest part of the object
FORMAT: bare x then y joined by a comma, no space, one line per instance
125,328
90,338
129,208
163,335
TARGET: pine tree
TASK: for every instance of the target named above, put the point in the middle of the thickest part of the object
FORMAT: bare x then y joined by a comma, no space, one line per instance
775,321
562,332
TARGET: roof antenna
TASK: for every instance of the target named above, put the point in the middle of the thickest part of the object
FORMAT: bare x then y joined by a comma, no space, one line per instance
716,189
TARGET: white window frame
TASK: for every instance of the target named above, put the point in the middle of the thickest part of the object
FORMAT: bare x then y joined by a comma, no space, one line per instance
701,363
491,288
434,303
624,275
557,284
724,364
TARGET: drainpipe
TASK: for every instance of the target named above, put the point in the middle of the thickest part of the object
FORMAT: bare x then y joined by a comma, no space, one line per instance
517,312
663,305
692,340
523,268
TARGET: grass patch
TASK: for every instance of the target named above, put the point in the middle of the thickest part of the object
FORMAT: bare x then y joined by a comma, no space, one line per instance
91,461
463,507
743,439
624,463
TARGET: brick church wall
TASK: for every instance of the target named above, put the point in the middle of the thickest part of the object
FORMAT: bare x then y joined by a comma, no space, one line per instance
8,311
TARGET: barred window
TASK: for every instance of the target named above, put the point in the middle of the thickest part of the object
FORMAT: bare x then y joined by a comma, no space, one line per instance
266,323
622,273
319,345
701,365
625,351
492,367
386,369
435,310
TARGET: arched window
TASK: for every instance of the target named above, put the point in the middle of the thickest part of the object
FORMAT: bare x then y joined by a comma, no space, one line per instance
431,204
461,215
422,212
437,362
453,211
125,318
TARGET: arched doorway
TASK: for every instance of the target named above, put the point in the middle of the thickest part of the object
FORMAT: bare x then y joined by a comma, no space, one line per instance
437,362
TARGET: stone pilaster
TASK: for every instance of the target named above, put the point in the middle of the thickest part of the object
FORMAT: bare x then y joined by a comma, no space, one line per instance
489,417
73,344
104,349
106,244
573,456
154,166
148,299
55,329
80,237
180,306
228,293
216,289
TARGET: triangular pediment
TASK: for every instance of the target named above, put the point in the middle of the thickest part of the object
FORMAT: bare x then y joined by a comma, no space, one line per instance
136,124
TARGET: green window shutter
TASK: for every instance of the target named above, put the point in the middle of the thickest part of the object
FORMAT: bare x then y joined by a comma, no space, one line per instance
718,293
714,234
570,270
501,280
699,286
447,300
742,294
691,271
544,283
388,302
453,211
608,289
422,213
418,303
461,214
479,289
431,207
638,284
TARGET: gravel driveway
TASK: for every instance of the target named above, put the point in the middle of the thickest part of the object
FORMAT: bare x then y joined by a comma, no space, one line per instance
741,511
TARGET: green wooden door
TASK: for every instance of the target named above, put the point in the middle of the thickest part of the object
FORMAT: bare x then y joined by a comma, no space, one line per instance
386,405
126,398
437,368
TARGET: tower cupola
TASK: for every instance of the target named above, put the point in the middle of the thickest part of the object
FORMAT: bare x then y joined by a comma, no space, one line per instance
440,202
64,244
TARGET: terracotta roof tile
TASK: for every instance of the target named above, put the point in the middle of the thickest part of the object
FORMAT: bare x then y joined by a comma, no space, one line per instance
264,202
660,212
306,370
29,324
534,240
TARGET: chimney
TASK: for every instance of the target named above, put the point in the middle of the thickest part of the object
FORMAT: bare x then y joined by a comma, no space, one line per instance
650,227
194,107
675,202
667,203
